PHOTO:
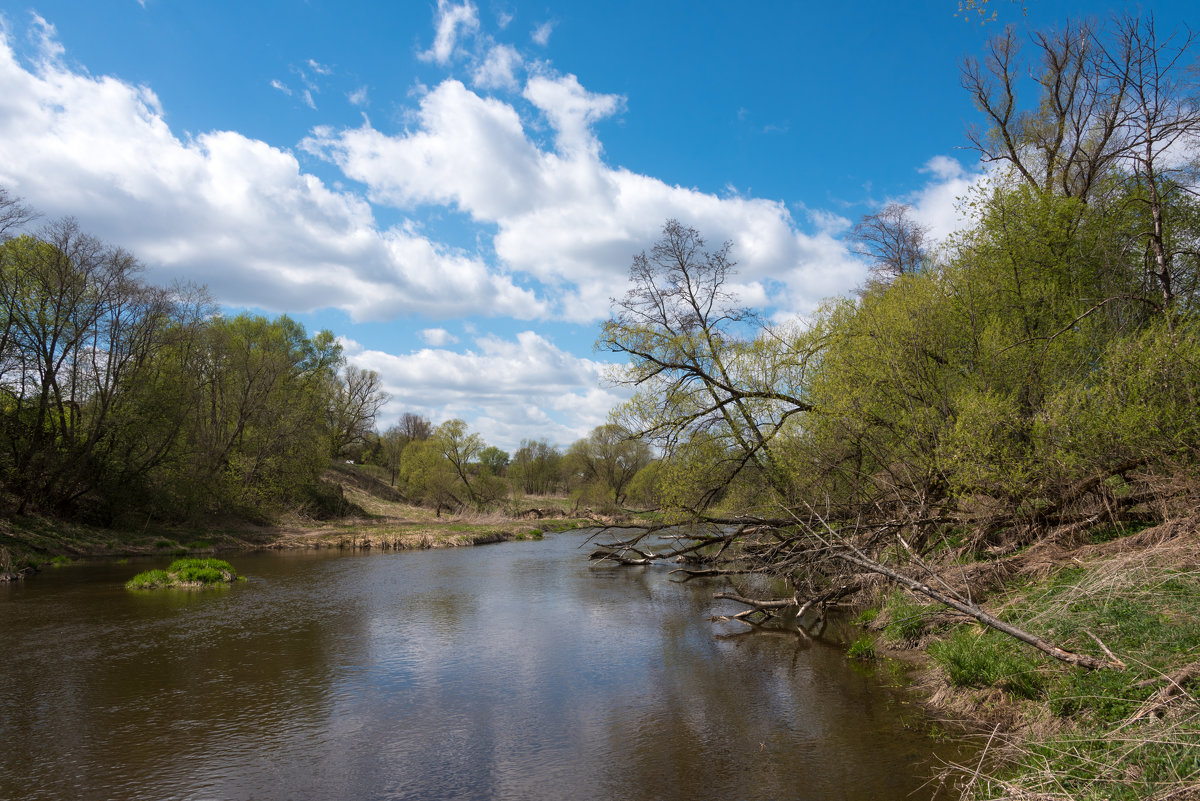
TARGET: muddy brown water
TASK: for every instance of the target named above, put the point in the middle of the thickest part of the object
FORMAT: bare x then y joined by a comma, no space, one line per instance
513,671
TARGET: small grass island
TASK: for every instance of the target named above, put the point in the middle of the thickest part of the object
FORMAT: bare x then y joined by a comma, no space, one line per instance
186,574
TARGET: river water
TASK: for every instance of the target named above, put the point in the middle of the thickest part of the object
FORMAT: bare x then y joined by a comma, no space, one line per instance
514,671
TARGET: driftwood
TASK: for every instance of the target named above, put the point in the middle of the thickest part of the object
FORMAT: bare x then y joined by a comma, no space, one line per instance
785,551
987,619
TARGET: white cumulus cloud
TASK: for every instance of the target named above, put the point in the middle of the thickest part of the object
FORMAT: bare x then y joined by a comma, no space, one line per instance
220,208
438,337
498,70
451,22
562,215
512,389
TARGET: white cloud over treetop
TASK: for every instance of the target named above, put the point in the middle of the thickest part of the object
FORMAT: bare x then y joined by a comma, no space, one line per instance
512,388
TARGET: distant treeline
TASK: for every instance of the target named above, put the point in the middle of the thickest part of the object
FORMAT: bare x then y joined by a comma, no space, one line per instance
121,401
450,468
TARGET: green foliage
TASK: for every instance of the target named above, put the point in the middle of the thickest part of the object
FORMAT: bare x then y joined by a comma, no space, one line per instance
494,460
536,468
862,649
601,466
132,401
149,580
974,658
185,572
907,617
204,571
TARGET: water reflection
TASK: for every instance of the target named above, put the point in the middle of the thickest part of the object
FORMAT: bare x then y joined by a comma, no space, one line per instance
519,671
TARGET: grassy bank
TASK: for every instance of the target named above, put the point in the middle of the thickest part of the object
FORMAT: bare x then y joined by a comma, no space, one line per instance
1054,731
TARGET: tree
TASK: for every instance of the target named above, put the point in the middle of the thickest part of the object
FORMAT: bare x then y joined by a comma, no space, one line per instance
537,467
14,215
607,460
1122,100
700,362
1075,131
392,444
258,433
892,240
77,327
462,450
1163,113
494,460
428,477
414,427
356,396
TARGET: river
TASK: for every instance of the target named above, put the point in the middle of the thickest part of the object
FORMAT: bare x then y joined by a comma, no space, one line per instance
513,671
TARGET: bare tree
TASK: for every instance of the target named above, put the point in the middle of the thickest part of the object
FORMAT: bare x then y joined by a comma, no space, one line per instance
14,215
1076,130
1162,122
692,352
414,428
1125,100
354,402
892,240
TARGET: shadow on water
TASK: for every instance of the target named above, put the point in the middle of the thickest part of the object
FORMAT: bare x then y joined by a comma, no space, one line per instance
517,671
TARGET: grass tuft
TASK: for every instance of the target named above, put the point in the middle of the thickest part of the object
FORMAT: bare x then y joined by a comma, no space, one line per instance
186,573
862,649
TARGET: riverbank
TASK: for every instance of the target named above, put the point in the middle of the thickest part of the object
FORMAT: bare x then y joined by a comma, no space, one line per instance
1054,731
381,521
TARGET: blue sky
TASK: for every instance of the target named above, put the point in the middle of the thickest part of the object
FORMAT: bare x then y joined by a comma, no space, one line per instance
457,188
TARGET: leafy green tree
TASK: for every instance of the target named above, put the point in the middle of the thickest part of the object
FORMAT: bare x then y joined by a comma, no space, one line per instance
428,478
604,462
537,467
259,430
411,428
78,331
494,460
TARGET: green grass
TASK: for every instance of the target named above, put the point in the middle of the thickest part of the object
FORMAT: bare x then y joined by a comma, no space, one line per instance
862,649
867,616
186,572
975,658
907,617
149,580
